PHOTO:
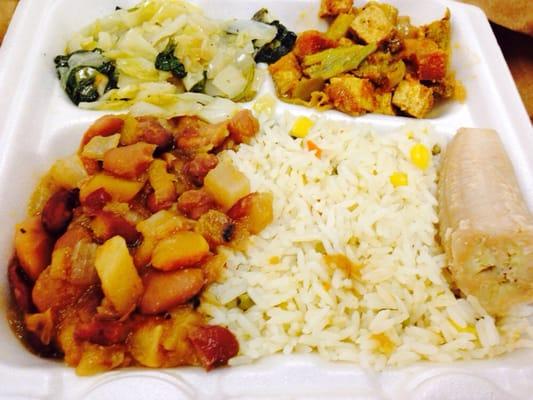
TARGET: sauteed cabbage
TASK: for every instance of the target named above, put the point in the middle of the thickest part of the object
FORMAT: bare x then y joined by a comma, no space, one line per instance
162,49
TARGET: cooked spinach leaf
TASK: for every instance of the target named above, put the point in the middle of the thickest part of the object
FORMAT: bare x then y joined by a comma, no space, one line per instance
280,45
85,75
167,61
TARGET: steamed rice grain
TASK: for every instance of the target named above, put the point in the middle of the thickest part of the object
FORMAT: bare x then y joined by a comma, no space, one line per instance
396,306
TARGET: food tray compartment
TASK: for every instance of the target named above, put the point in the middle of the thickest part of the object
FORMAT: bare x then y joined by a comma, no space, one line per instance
39,124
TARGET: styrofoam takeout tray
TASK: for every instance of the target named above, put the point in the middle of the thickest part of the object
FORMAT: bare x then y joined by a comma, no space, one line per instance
38,124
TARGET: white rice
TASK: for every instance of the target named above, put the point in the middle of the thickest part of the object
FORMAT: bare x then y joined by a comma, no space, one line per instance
400,309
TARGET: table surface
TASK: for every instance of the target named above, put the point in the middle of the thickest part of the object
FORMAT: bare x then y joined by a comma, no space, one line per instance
516,49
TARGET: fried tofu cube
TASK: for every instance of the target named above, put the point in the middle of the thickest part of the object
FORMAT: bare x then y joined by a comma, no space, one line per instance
384,103
439,31
352,95
332,8
374,23
429,60
413,98
390,11
286,73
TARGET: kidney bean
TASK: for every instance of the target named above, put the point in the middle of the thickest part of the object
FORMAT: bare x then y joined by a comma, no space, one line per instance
199,166
57,212
20,286
215,345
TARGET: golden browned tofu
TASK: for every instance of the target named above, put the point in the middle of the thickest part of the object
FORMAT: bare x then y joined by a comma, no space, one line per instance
352,95
286,73
413,98
439,31
332,8
384,103
429,60
375,22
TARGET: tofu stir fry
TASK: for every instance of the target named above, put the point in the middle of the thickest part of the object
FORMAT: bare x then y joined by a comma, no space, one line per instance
370,60
122,238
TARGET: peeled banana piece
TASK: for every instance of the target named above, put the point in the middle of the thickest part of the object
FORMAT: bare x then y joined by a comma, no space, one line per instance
485,226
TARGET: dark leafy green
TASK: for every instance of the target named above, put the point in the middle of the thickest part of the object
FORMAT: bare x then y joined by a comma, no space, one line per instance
280,45
85,75
167,61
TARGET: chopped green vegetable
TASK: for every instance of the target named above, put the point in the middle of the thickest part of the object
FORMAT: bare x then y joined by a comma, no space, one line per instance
167,61
319,248
305,87
332,62
85,75
244,302
340,26
282,43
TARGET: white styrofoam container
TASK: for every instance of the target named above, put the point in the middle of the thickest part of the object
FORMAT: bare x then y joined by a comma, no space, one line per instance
38,124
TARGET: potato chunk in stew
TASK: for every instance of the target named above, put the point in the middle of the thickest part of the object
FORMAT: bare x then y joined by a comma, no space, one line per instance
118,188
120,282
227,184
181,250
